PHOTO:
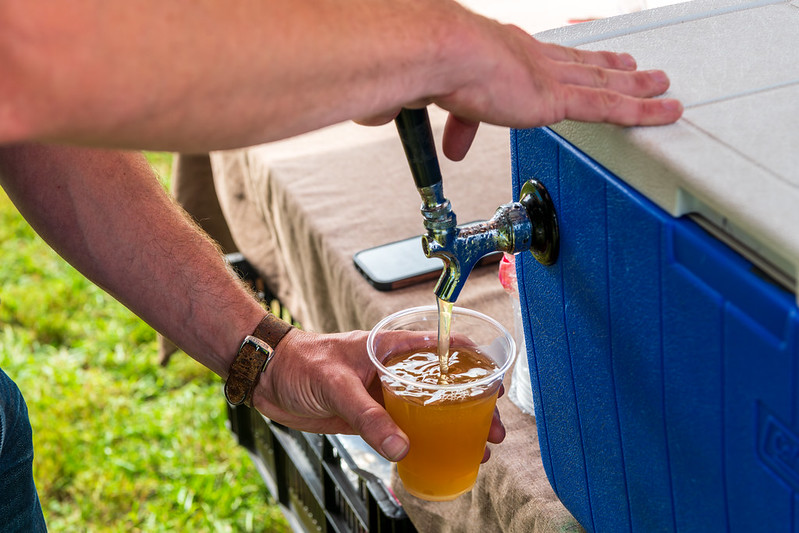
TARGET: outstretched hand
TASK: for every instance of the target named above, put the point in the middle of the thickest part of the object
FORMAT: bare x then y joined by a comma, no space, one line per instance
327,384
526,83
540,83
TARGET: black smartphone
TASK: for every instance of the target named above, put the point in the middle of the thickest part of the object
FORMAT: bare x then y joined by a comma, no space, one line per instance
402,263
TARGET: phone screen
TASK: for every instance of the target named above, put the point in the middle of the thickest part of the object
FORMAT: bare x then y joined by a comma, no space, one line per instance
402,263
397,264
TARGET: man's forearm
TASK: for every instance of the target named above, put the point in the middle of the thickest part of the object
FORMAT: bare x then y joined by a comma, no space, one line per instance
107,215
198,75
193,76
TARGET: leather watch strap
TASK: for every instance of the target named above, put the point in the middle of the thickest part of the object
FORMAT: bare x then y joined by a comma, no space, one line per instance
254,355
271,330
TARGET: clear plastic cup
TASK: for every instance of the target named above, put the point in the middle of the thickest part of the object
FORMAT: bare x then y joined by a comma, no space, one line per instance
447,424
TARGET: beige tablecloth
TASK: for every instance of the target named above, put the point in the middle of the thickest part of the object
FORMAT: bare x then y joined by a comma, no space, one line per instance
299,210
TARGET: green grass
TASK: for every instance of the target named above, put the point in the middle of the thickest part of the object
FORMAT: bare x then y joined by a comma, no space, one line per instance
121,443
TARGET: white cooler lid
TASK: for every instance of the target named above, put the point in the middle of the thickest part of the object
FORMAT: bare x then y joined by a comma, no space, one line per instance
733,157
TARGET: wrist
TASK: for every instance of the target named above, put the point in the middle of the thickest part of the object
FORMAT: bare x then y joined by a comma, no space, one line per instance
252,359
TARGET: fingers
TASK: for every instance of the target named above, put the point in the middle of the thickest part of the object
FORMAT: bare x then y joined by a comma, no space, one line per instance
388,115
642,84
496,434
600,105
611,60
405,341
378,120
458,136
606,87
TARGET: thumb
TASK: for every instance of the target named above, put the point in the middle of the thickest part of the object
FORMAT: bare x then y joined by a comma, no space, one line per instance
375,426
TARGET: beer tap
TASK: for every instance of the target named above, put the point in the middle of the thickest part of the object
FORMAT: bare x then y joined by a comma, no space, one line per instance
527,225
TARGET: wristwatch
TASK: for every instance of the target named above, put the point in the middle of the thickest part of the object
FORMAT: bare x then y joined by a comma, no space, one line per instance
254,355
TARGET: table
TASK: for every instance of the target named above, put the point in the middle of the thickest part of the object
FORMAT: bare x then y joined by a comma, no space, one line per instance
299,210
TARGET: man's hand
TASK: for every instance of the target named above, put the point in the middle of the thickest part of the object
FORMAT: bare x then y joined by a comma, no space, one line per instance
543,83
521,82
327,384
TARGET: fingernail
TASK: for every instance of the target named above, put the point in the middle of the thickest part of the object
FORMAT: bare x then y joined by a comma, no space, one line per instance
660,77
628,61
394,447
670,104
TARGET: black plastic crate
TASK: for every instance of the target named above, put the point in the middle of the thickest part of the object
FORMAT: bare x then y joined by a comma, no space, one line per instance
316,481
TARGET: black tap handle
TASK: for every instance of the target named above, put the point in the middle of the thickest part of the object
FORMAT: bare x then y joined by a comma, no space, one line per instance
420,147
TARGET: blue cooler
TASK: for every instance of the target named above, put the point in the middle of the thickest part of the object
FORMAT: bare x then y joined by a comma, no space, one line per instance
663,344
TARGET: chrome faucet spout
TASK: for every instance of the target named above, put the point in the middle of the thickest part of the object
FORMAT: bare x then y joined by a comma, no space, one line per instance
529,224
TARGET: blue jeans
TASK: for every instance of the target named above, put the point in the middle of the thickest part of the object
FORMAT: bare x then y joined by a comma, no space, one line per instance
20,509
